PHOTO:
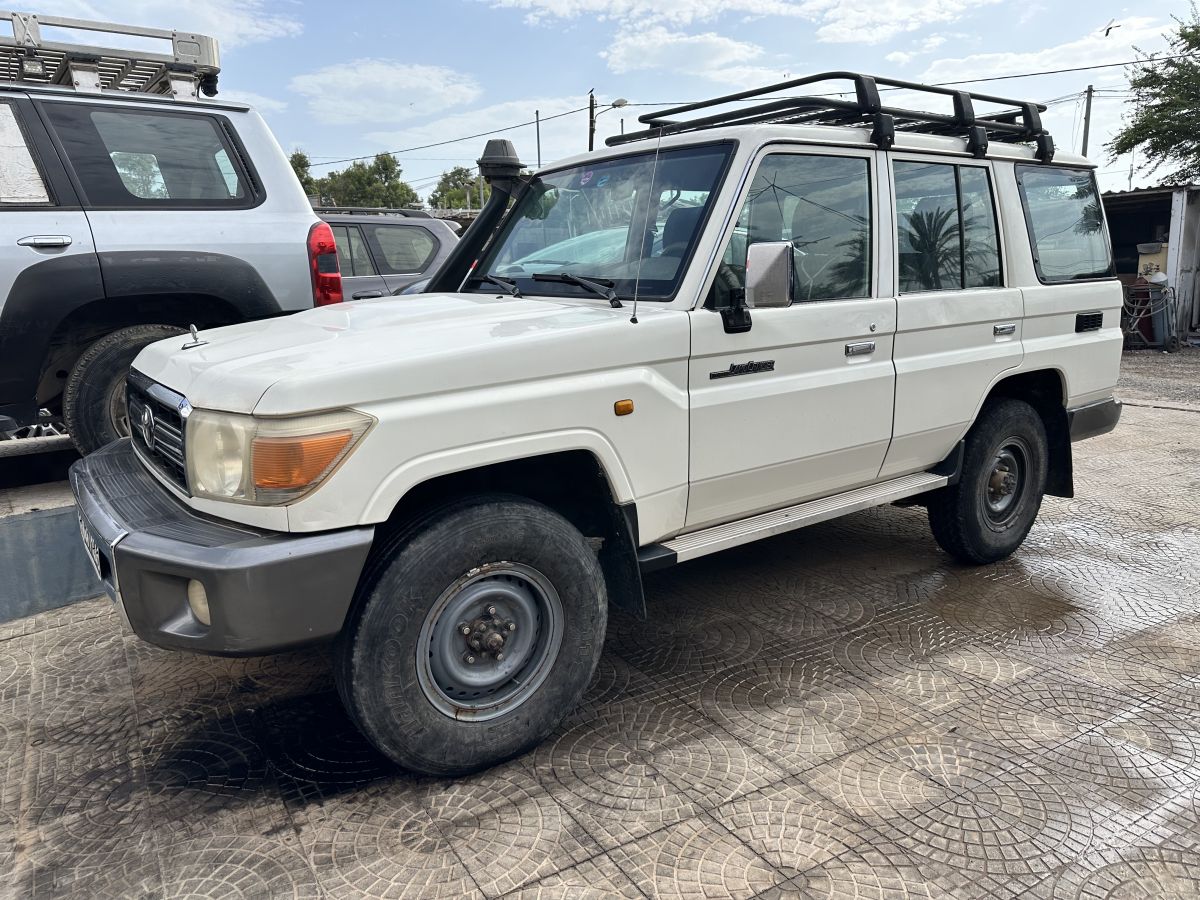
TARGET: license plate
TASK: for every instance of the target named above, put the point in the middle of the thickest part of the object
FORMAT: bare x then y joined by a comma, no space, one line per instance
90,546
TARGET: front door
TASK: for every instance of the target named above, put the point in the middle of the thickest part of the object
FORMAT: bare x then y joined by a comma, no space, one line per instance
959,325
800,406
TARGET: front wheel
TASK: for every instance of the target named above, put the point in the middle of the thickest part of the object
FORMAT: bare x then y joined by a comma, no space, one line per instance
987,515
473,635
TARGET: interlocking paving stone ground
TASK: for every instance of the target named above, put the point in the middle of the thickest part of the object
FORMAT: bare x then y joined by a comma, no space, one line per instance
840,712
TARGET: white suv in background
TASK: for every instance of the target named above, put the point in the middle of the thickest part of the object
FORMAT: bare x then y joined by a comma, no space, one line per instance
729,325
131,207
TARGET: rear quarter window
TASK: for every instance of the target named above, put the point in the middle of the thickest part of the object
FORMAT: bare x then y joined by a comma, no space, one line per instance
401,249
21,183
150,158
1066,224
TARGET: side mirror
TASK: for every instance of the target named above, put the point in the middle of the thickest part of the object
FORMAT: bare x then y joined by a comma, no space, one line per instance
769,274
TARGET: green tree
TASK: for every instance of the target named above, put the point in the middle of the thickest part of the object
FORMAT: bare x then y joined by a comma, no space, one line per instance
451,190
377,183
1165,121
301,165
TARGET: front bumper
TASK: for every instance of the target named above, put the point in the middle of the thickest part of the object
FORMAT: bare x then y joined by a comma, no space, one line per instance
1094,419
266,591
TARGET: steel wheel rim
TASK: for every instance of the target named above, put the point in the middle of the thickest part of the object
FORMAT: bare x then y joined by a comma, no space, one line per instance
1005,482
504,666
118,409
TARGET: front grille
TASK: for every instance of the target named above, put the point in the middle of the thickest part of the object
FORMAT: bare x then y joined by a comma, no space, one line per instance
157,423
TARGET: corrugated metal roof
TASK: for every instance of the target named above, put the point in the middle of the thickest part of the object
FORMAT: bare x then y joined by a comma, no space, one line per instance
1157,189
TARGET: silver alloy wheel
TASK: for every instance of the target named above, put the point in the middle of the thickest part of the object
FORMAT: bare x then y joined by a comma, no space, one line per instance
489,641
118,409
1005,483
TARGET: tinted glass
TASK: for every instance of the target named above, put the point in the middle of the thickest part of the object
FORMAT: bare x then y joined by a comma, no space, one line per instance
822,204
401,249
632,221
1066,223
20,181
352,252
928,237
125,158
981,244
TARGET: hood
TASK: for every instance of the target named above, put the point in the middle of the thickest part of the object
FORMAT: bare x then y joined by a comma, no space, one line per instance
370,351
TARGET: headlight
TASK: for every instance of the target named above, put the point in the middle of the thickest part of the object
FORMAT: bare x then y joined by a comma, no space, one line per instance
267,461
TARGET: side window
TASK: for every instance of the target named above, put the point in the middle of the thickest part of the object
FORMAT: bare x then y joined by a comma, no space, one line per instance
21,183
401,249
352,252
1066,223
149,158
946,233
822,204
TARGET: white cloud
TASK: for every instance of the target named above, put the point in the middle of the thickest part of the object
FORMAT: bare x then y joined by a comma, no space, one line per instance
839,21
1090,50
900,58
658,48
381,91
234,23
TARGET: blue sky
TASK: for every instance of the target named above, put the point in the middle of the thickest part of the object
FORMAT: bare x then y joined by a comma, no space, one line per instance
353,78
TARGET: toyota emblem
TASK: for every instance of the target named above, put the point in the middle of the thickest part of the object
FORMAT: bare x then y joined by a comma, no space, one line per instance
147,426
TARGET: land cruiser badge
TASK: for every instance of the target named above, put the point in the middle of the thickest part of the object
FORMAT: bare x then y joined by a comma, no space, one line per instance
746,368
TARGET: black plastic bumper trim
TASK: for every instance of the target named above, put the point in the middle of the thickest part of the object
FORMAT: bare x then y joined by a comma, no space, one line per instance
267,591
653,557
1094,419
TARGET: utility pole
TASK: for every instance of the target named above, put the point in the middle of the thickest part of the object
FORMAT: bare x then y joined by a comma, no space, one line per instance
537,122
479,183
591,119
1087,118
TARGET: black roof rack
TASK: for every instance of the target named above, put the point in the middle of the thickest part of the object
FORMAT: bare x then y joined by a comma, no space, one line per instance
1021,122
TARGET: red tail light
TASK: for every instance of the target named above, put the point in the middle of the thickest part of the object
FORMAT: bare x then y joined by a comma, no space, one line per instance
323,262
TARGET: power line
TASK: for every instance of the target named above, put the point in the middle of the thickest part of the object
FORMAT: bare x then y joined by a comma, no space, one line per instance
456,140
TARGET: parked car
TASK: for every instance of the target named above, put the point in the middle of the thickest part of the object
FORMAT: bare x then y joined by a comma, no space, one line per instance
804,319
129,215
380,255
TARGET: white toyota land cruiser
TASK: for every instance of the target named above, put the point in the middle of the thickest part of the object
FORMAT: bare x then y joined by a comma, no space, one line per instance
721,328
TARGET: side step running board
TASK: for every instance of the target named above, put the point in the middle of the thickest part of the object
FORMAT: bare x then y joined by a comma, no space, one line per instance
733,534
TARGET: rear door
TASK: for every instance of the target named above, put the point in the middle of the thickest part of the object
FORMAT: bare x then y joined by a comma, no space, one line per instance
360,279
403,251
47,259
958,320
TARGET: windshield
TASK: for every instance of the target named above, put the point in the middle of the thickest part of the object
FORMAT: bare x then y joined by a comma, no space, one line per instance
622,222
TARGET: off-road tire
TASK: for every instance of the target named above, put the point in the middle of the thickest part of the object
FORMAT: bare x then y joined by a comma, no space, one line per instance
963,517
88,396
378,654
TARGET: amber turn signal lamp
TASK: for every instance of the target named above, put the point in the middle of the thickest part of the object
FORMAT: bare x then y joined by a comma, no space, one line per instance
283,463
623,407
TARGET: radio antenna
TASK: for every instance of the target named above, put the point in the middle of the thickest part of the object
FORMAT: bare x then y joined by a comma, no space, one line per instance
641,257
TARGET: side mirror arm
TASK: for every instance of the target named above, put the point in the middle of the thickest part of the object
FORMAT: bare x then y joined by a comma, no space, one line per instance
736,315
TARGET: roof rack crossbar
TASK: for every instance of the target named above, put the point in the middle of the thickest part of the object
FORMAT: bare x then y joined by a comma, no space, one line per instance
1019,122
184,65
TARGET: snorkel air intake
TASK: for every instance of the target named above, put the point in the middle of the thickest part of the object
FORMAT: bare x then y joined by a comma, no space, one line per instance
501,168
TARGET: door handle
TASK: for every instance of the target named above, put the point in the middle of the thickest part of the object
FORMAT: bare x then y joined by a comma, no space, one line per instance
45,240
860,348
366,295
1004,330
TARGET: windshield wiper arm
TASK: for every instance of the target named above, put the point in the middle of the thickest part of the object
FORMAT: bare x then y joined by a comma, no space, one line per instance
601,287
506,283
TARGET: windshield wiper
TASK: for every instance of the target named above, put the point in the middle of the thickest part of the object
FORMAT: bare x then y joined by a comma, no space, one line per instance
601,287
506,283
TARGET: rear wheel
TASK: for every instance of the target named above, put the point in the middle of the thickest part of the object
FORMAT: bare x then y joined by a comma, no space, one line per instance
94,397
987,515
473,635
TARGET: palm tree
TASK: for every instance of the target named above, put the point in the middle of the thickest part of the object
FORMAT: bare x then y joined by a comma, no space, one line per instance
935,248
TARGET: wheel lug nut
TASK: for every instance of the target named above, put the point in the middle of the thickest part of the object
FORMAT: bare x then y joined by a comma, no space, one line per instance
464,628
469,659
499,656
512,626
491,610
